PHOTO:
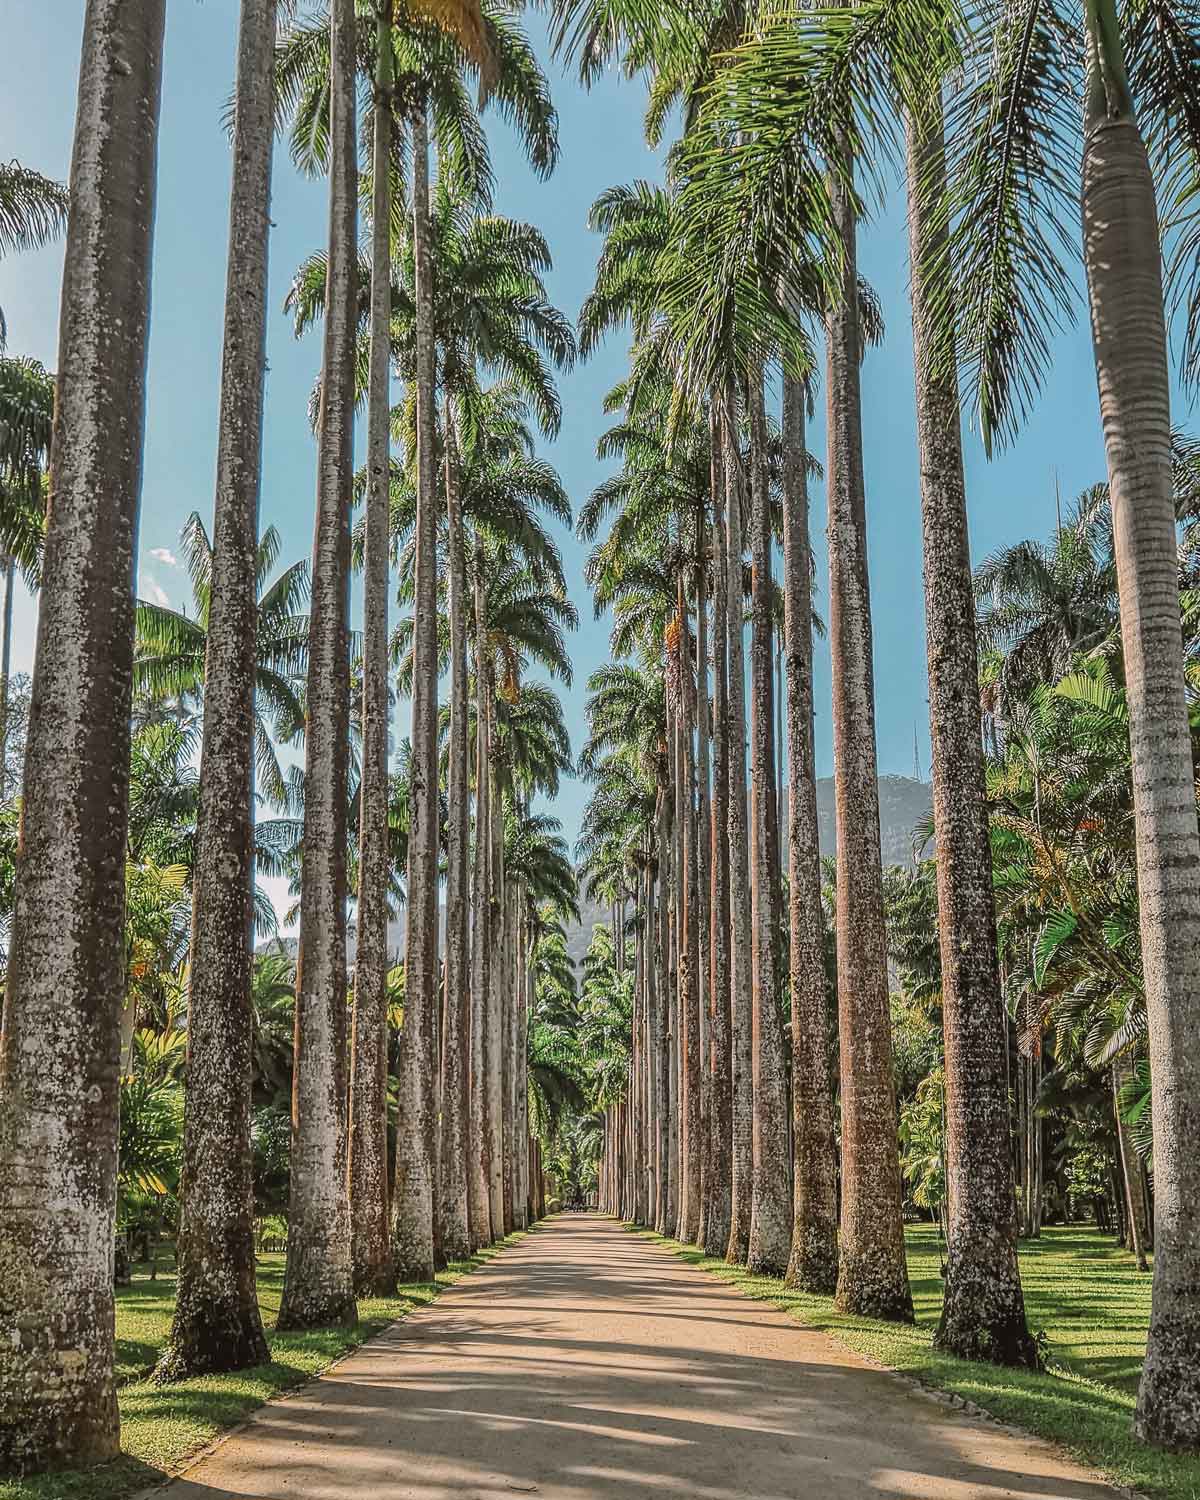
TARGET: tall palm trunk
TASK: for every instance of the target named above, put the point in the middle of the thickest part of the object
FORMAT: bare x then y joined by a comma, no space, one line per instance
9,570
524,952
374,1271
668,1176
412,1212
493,1002
456,1038
64,990
646,878
217,1324
873,1277
702,831
814,1259
1122,258
741,985
318,1284
689,955
480,1133
507,1000
717,1225
771,1210
983,1312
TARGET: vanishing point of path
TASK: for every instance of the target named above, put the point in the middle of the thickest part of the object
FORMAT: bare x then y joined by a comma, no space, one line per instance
587,1364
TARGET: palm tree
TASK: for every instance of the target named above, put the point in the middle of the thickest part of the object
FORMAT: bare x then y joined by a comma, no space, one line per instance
172,659
983,1312
217,1323
65,983
26,422
33,211
368,1163
814,1257
1132,62
771,1216
319,1283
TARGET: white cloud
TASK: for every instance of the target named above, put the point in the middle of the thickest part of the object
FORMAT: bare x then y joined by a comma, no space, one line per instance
164,555
153,591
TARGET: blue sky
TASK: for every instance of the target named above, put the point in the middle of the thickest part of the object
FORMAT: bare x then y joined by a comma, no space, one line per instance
601,140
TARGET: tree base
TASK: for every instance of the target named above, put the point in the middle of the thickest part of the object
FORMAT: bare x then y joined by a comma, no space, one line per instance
874,1287
1168,1409
329,1310
813,1266
211,1336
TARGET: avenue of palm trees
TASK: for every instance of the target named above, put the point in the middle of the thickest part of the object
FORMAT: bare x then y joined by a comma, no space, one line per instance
728,1049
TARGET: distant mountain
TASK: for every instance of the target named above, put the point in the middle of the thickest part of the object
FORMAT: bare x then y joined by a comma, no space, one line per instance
904,805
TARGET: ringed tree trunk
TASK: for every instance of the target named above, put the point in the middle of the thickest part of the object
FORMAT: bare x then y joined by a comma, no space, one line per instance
8,568
741,960
480,1134
494,1010
319,1280
1124,272
217,1324
374,1269
412,1209
456,1037
771,1213
983,1311
662,1025
872,1275
702,829
66,974
717,1225
813,1266
689,954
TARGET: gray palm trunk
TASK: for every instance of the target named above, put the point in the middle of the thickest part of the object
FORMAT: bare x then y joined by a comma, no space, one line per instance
456,1035
217,1323
319,1280
521,1083
703,890
667,1208
741,982
493,1030
8,568
983,1311
66,972
412,1202
872,1276
813,1265
662,1016
689,964
771,1208
1123,263
374,1271
508,1060
480,1133
719,1183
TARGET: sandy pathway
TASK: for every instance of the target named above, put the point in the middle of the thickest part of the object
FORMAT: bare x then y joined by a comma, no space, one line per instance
587,1363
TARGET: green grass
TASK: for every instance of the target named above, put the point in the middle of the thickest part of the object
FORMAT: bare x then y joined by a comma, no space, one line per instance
1091,1308
162,1426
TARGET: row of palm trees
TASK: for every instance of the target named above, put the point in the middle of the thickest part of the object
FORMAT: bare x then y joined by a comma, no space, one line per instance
750,250
450,298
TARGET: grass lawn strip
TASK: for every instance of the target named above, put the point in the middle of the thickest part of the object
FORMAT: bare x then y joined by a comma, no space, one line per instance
163,1428
1088,1305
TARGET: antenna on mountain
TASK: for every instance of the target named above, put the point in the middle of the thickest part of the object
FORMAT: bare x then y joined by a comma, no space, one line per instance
1058,502
916,754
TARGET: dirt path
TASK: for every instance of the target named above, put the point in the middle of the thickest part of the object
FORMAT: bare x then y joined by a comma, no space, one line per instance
585,1363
